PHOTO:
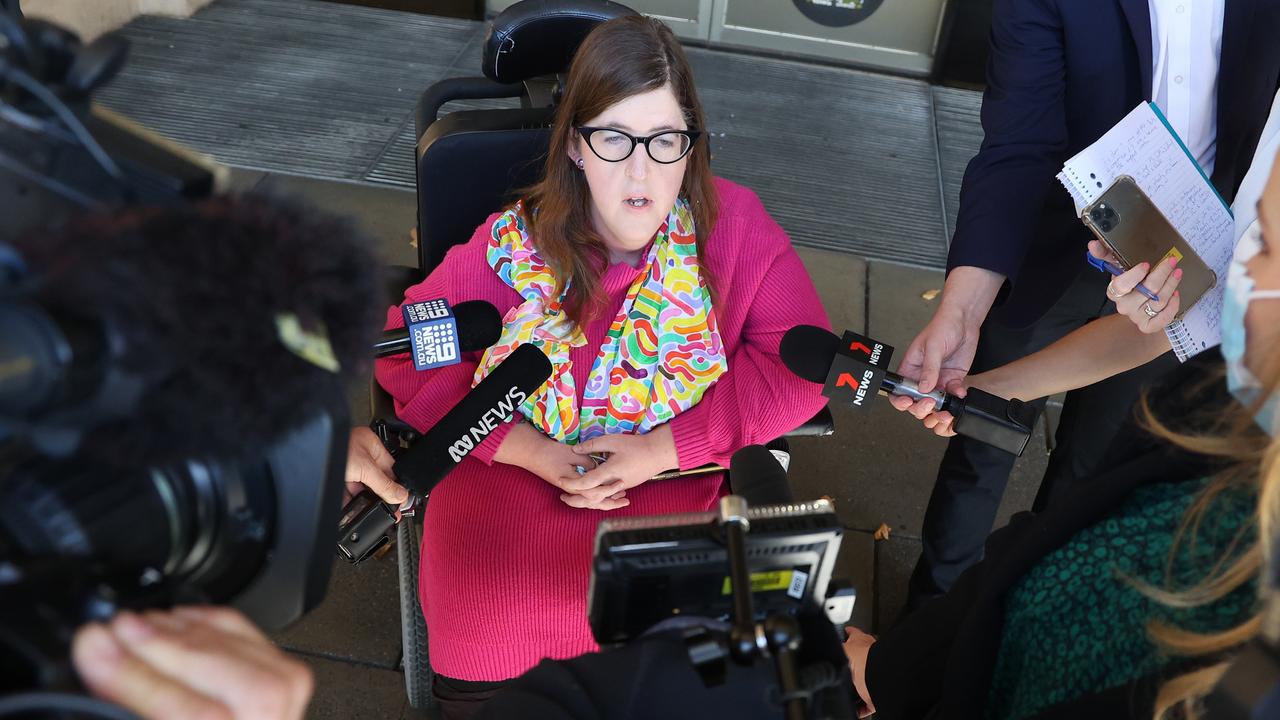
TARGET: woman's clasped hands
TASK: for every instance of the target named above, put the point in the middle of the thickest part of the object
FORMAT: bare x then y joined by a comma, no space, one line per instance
584,481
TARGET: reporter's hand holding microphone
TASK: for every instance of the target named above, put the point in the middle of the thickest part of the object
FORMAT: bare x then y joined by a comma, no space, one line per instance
941,355
1132,292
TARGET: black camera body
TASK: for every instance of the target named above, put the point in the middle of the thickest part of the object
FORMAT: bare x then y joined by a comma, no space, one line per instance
202,508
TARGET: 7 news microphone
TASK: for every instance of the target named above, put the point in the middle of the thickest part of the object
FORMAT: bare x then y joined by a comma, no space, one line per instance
852,367
439,450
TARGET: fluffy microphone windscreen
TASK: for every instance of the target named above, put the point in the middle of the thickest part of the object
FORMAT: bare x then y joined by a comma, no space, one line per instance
241,316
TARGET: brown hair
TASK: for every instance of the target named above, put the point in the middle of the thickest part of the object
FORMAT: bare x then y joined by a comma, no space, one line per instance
621,58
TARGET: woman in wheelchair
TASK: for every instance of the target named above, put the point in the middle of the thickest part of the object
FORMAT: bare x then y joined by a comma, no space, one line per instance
660,294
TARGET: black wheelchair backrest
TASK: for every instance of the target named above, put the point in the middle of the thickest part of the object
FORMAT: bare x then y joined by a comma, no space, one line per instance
470,163
540,37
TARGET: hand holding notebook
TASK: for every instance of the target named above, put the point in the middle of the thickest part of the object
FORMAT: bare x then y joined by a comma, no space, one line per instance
1144,147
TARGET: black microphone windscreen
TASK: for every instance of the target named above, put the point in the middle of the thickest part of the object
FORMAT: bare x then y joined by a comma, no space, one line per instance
479,324
808,350
467,424
757,476
242,316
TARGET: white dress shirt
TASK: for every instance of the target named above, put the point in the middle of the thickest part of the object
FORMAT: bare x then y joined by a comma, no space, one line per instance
1186,42
1245,207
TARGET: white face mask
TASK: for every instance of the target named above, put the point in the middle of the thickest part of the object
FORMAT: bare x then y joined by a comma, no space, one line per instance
1242,383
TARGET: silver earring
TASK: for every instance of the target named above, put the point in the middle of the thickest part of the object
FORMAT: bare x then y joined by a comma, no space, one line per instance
580,163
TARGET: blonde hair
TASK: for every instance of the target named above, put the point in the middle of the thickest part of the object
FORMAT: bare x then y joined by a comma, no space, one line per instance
1254,463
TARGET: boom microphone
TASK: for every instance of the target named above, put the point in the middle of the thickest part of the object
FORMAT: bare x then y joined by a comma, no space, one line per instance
479,325
209,328
818,355
756,476
467,424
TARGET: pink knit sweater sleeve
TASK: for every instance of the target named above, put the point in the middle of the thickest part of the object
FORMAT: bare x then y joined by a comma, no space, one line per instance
763,291
422,398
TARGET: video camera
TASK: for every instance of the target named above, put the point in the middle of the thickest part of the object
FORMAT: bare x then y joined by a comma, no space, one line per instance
764,570
172,421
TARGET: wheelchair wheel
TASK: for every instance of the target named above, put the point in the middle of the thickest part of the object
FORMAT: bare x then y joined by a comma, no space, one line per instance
413,628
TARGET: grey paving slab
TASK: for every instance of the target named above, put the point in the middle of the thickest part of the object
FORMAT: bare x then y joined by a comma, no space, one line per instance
895,558
840,279
896,304
359,619
293,85
844,160
857,564
879,467
353,692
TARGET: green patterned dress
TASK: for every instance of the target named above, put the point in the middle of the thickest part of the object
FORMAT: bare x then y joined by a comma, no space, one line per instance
1074,626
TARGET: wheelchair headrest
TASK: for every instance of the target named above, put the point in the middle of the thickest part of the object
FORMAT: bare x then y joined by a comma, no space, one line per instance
539,37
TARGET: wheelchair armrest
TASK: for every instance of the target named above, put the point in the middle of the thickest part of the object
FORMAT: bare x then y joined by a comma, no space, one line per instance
463,88
818,426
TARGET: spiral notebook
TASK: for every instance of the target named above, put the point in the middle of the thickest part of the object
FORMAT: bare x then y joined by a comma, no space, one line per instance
1144,146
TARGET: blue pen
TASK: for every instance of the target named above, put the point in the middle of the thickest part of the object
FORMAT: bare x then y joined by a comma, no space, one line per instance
1105,266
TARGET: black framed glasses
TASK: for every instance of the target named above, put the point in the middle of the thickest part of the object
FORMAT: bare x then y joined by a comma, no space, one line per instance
613,145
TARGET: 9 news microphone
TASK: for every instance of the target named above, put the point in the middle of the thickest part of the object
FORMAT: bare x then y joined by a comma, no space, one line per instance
435,342
854,366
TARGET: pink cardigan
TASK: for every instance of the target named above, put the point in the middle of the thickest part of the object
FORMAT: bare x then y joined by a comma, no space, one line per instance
505,564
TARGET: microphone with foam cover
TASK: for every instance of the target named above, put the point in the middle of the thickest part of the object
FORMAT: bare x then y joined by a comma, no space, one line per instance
756,476
479,326
467,424
811,353
808,350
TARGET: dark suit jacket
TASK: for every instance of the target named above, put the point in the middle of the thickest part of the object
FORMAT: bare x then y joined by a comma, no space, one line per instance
1060,74
938,661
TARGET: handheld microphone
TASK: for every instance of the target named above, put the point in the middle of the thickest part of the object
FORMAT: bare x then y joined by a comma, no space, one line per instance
467,424
478,325
854,366
756,476
362,531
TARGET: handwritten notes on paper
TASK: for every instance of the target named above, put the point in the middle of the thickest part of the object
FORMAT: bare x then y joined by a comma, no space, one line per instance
1144,147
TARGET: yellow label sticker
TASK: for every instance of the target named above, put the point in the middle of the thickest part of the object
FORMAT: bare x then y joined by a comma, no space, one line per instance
763,582
1173,252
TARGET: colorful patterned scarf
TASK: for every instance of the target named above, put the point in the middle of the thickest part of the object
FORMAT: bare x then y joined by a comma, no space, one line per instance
661,353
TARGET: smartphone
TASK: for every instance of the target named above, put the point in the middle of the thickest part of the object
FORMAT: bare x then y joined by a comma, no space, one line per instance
1135,231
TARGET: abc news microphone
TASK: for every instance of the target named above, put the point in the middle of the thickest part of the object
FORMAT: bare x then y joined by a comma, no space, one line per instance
855,366
439,450
488,405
